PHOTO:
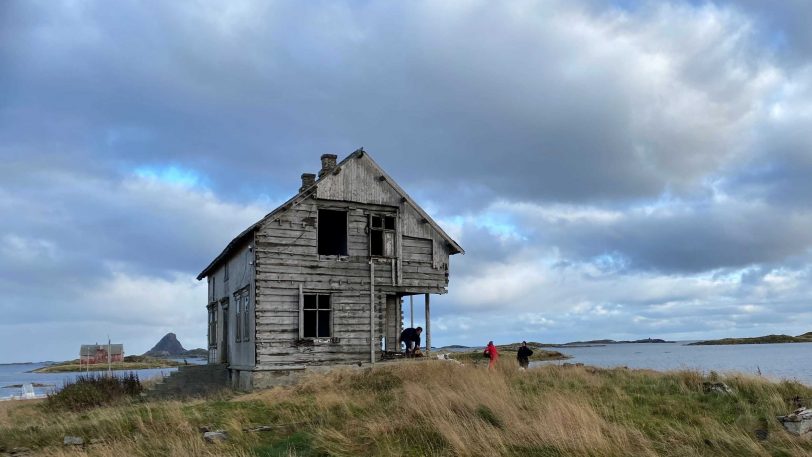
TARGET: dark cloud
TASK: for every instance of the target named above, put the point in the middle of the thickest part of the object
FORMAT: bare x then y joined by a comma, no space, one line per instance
602,163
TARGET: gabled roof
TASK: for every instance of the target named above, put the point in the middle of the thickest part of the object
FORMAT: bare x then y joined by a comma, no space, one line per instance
304,193
90,349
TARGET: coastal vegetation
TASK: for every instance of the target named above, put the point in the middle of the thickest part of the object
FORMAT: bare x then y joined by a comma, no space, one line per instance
92,390
434,408
130,362
769,339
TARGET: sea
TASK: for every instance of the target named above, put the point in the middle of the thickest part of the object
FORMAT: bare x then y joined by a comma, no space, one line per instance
21,373
785,361
788,361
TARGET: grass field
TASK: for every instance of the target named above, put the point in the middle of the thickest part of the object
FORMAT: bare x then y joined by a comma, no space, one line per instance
419,408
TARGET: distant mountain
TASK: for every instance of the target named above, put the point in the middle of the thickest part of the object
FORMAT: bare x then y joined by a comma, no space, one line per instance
169,346
768,339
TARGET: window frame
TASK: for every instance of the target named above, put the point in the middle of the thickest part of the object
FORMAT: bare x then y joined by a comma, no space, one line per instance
212,309
304,312
242,316
383,230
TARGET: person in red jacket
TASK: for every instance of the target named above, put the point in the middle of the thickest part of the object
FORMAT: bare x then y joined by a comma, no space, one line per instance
492,354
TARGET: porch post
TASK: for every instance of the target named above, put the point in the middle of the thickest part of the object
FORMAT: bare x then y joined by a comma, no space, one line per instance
371,312
428,326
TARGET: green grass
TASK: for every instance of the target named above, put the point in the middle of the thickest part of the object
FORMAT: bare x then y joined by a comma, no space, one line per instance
434,408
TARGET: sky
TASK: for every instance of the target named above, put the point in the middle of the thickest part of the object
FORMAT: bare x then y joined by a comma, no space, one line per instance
613,169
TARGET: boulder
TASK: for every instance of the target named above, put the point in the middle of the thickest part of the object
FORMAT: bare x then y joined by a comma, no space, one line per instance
73,441
799,422
218,436
716,387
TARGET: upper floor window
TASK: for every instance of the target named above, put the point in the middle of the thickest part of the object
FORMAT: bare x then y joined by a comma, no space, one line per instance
225,271
381,235
332,237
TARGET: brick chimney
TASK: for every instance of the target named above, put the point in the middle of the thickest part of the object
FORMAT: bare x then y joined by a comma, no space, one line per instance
308,179
328,164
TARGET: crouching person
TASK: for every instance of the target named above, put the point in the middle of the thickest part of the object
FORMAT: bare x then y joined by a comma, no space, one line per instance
410,337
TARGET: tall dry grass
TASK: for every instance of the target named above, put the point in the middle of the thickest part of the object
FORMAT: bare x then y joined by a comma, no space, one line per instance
441,408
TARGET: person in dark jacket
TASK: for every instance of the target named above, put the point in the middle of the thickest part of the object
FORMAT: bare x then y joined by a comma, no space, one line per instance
523,355
411,338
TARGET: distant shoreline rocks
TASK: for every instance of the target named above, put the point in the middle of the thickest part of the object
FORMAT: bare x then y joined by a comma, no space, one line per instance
768,339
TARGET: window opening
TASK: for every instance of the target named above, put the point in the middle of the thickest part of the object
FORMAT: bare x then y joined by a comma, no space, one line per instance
317,316
382,236
332,228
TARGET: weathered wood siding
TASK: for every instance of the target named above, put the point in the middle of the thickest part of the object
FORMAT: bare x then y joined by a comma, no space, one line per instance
287,256
240,354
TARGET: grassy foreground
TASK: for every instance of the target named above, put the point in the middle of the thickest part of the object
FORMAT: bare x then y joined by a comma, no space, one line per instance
439,408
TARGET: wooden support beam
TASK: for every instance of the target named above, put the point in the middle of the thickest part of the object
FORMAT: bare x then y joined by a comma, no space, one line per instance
428,326
371,312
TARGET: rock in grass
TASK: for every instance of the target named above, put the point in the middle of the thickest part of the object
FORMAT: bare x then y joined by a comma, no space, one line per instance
799,422
716,387
218,436
73,441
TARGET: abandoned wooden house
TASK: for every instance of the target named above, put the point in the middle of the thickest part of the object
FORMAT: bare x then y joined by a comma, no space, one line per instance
319,281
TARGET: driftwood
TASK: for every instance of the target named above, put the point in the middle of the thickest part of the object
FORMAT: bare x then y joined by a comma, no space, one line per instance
273,427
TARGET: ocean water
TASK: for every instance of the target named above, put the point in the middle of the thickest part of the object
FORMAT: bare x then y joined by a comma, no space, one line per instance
791,361
19,373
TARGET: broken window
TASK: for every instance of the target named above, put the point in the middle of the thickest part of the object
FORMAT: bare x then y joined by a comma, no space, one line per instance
332,227
316,316
381,235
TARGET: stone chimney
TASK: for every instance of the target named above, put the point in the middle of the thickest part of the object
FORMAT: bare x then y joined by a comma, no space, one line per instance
308,179
328,164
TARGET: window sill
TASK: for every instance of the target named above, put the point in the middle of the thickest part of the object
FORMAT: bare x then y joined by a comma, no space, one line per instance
335,258
312,341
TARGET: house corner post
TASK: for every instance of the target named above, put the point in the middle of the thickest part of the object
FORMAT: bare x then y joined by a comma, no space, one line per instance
428,325
371,312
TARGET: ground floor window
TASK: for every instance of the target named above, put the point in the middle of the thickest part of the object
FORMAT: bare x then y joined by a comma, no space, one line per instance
213,325
242,301
317,318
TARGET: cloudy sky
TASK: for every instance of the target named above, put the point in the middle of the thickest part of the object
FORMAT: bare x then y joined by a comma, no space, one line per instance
613,169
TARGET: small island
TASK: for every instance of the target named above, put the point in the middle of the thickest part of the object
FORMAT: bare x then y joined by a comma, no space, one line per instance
768,339
130,362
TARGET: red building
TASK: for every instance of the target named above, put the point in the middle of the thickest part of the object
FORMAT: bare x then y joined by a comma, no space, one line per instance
97,353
